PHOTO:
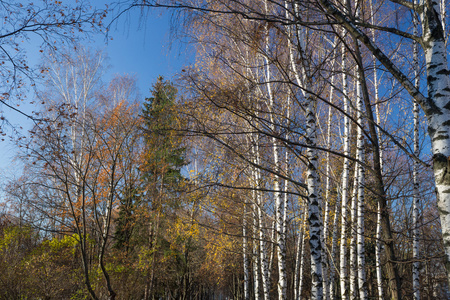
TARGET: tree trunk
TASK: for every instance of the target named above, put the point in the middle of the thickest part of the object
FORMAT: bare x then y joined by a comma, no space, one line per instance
345,184
353,235
299,261
416,264
279,207
245,255
360,203
315,218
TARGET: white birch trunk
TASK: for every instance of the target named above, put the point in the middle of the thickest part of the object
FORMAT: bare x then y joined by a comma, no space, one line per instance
258,234
285,196
326,278
315,218
245,256
298,283
298,273
314,197
438,114
271,247
353,237
378,245
263,253
302,260
328,167
360,197
279,207
262,227
263,247
298,255
345,184
256,256
280,234
328,281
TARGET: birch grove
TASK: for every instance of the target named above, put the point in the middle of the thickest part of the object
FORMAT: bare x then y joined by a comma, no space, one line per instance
363,106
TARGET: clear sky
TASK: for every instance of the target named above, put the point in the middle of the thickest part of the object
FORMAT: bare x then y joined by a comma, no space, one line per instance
140,46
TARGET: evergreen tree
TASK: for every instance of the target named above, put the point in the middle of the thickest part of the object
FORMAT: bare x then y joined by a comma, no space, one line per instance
164,151
162,179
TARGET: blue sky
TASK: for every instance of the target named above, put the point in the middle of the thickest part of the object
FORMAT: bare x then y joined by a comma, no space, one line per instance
140,46
143,48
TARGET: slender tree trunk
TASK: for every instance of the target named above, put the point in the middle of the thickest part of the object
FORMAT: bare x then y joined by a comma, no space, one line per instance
256,256
298,274
257,253
313,185
298,255
264,255
360,247
333,267
328,280
360,207
315,218
279,207
345,182
353,237
286,189
263,247
260,229
416,265
245,255
378,245
302,260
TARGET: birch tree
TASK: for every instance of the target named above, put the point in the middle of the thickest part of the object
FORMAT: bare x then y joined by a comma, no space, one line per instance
302,70
433,44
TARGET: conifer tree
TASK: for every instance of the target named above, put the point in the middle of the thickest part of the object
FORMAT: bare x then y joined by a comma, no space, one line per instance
163,159
165,153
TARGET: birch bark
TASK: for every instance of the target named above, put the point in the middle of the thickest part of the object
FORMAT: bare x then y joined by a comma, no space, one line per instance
315,218
299,261
438,113
279,207
255,260
345,182
378,245
262,236
360,198
313,188
302,261
436,105
245,256
314,197
353,233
